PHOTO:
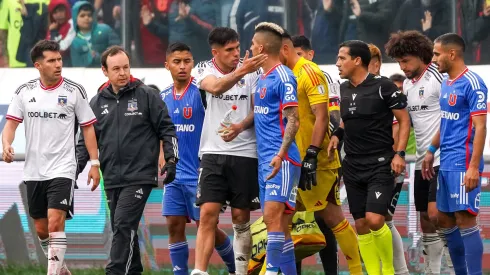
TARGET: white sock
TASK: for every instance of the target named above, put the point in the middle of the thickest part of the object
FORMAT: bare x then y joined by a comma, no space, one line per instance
242,246
56,252
198,272
399,262
445,251
433,249
45,246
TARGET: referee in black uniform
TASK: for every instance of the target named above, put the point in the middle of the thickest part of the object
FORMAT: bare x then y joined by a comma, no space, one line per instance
367,106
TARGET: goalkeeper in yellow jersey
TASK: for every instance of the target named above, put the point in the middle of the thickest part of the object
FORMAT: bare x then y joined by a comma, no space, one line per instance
318,187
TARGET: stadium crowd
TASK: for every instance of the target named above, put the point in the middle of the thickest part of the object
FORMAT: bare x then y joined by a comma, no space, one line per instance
85,28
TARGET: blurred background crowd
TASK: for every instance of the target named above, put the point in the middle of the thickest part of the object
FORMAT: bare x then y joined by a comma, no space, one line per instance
85,29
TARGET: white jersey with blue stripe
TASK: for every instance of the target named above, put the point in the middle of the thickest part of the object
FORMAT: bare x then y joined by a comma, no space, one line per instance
187,113
461,99
276,90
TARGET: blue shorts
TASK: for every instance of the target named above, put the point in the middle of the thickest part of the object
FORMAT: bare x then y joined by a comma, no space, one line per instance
281,188
180,200
452,196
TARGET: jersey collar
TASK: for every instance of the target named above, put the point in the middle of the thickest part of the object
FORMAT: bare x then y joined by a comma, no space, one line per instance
177,97
422,74
50,88
451,82
270,70
218,68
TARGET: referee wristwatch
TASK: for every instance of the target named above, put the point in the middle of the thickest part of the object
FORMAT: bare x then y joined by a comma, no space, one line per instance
401,154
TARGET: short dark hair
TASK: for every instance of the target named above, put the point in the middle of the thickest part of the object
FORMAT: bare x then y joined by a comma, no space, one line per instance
302,42
275,36
397,78
451,38
37,52
222,35
177,47
111,51
358,48
407,43
86,7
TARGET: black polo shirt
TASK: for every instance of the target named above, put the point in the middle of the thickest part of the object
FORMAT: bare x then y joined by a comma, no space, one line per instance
367,116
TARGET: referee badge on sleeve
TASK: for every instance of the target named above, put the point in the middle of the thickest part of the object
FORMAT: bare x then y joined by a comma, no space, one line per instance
321,89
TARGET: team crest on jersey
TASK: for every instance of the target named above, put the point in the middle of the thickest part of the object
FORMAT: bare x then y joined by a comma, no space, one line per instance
62,100
132,105
241,83
187,112
262,92
421,92
452,99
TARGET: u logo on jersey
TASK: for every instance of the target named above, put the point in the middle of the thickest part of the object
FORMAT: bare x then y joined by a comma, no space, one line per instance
452,99
187,112
262,92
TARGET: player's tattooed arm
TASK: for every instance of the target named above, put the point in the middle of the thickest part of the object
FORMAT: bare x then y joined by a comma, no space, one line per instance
291,113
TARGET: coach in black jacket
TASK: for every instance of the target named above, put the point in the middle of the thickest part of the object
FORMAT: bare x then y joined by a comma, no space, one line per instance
131,122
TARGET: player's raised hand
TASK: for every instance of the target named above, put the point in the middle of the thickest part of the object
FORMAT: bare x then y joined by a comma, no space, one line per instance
169,170
8,154
428,166
276,165
252,64
332,146
94,176
308,168
471,179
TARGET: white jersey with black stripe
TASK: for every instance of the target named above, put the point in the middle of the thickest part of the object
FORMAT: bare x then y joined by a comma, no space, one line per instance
333,87
423,95
244,145
50,115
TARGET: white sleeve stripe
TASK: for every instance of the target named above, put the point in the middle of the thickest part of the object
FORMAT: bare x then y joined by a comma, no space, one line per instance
175,147
281,69
280,74
477,83
473,87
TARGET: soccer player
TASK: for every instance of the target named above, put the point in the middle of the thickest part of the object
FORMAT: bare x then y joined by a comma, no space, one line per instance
184,102
132,120
461,140
399,262
228,170
413,52
328,255
398,79
370,165
51,107
276,124
322,197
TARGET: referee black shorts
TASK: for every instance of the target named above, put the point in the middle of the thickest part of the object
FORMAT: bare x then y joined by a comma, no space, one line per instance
55,193
369,183
225,178
424,190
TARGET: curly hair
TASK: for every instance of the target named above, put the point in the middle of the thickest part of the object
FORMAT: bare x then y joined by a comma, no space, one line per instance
409,43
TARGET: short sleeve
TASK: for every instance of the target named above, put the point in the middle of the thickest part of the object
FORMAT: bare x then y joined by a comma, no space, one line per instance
476,97
83,112
202,71
16,108
393,97
288,92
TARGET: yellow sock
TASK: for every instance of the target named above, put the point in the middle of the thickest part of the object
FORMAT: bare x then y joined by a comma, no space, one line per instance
384,244
346,237
369,254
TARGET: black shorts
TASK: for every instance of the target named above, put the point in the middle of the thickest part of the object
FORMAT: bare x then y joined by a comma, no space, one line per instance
56,193
424,190
369,184
225,178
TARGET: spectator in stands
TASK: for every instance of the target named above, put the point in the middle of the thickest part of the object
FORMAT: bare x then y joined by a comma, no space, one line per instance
92,38
348,25
61,27
21,26
246,14
482,34
325,33
226,6
189,22
398,80
431,17
153,32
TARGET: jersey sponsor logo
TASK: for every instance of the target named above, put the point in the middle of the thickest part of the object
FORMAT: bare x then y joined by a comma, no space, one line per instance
231,97
62,100
454,196
449,115
185,127
33,100
132,105
452,99
272,186
46,115
187,112
477,201
481,100
263,92
163,95
261,110
416,108
421,92
289,92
